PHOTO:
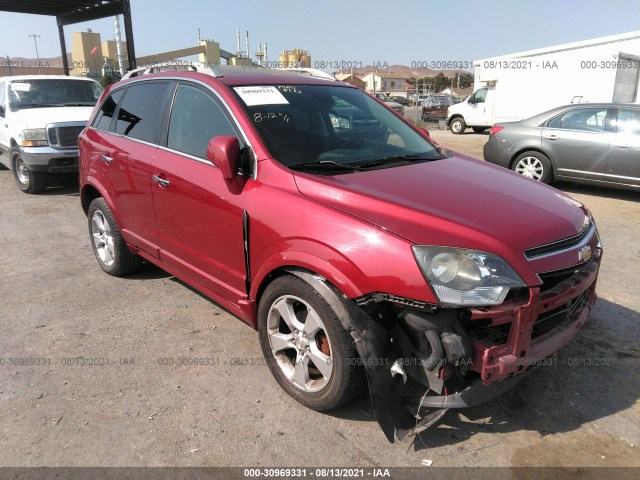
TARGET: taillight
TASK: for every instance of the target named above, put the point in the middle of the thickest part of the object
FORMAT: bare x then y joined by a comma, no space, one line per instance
495,129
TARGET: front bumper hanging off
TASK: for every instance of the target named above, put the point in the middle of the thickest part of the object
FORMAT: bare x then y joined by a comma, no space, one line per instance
505,342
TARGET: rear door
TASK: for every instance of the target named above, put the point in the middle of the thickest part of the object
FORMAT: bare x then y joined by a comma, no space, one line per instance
199,217
578,142
122,142
623,162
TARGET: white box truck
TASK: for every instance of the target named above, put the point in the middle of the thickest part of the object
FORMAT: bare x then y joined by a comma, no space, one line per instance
517,86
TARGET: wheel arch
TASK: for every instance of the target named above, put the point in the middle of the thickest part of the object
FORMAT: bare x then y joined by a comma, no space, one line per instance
89,192
301,262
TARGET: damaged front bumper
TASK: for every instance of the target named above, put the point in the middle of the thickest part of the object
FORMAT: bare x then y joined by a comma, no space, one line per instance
424,358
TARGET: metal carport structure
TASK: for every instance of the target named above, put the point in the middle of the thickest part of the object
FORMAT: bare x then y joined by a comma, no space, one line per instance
68,12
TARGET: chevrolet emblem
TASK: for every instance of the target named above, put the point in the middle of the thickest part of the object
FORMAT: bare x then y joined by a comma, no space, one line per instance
584,254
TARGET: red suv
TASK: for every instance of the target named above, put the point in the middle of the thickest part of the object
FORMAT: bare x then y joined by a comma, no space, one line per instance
434,273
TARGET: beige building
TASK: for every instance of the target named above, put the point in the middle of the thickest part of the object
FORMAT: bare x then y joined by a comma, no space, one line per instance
83,62
87,64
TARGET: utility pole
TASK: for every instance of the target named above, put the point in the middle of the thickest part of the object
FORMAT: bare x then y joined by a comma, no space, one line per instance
36,44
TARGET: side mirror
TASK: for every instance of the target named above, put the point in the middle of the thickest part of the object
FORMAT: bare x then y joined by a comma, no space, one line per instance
425,132
224,152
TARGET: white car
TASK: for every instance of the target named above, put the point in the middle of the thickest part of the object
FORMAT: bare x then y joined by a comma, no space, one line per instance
41,117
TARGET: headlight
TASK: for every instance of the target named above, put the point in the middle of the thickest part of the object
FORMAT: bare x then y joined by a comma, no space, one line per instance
36,137
466,277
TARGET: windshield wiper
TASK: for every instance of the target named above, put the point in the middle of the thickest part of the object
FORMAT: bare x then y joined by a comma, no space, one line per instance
394,159
323,165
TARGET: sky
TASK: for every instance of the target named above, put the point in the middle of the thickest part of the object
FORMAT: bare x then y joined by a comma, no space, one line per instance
391,31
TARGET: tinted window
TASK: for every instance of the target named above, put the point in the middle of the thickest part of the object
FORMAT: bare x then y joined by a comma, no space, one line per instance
629,121
195,119
108,108
585,119
140,112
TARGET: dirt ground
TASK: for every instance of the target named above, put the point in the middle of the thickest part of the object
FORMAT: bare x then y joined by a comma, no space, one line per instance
100,390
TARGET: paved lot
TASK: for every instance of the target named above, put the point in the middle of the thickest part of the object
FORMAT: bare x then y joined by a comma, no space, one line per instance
120,406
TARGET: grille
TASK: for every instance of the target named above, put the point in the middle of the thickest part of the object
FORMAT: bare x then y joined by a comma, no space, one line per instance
559,316
559,246
64,136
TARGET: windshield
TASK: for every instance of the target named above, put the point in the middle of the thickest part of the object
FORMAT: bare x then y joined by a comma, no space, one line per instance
331,129
42,93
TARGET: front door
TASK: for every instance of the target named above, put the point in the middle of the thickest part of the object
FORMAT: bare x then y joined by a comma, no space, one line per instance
200,219
477,108
578,142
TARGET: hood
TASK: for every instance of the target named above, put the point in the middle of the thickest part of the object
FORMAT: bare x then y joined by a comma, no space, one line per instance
459,202
40,117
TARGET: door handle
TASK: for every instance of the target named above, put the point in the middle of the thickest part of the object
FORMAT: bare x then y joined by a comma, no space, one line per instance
106,158
552,137
624,145
161,181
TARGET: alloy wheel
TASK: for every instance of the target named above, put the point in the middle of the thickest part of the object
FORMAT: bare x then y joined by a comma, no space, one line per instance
299,343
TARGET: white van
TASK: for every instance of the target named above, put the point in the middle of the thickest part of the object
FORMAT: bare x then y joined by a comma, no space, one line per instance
41,117
476,111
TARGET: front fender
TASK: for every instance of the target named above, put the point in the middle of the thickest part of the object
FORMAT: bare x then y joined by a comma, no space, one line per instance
314,263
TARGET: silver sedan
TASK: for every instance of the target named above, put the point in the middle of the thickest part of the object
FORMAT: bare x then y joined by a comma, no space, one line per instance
597,143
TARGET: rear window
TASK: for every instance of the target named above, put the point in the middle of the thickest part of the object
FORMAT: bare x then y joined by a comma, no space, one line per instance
140,112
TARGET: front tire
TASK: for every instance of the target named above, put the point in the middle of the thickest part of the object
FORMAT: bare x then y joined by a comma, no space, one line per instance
110,249
312,357
27,180
457,126
534,165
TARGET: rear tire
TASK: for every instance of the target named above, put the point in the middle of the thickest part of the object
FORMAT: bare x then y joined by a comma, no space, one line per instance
110,249
457,126
479,129
27,180
311,356
534,165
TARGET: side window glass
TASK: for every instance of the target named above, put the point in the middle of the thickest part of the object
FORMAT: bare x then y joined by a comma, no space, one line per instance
583,119
480,96
102,121
629,122
140,112
195,119
97,90
2,95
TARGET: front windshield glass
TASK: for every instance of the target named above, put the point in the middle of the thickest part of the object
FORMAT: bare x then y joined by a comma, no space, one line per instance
43,93
331,129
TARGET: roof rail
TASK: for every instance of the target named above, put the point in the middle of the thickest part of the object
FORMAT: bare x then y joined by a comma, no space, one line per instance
212,70
311,72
